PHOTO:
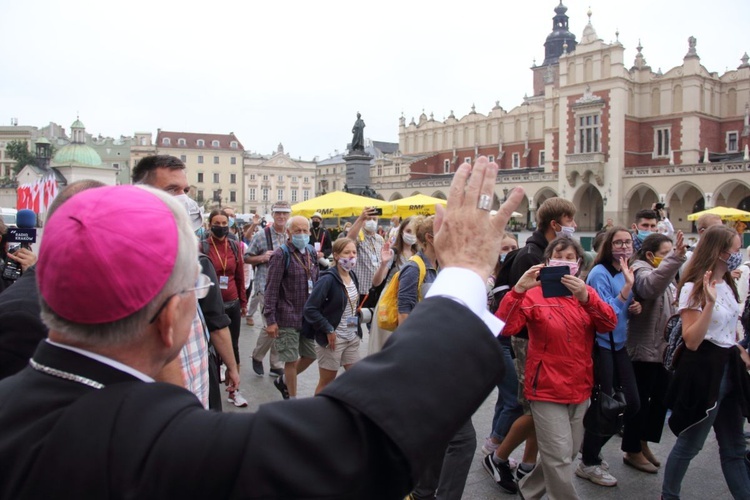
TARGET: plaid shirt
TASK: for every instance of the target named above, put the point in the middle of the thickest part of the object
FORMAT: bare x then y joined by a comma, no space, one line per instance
368,260
194,362
259,246
287,289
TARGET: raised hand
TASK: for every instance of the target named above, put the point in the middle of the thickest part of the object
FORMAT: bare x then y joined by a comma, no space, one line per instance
465,235
627,272
529,279
709,287
386,254
680,248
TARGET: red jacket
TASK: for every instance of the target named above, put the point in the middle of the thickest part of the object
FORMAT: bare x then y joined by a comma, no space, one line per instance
561,330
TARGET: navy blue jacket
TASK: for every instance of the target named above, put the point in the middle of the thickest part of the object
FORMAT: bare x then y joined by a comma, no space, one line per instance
325,306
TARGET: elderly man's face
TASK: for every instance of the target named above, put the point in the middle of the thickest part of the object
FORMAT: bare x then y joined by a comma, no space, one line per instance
171,181
299,225
280,218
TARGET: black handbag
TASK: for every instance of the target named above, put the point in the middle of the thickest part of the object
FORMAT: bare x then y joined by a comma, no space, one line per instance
604,416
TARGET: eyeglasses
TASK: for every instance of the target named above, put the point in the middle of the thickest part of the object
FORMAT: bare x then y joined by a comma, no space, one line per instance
202,284
622,243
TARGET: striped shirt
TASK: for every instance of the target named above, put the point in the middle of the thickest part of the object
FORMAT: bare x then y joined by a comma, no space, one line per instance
368,260
259,246
350,309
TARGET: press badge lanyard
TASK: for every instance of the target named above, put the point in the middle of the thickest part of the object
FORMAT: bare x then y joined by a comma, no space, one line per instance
224,279
308,272
352,320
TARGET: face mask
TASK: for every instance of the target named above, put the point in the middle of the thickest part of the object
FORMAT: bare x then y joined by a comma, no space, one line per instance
642,234
409,238
316,224
656,261
231,222
347,264
200,232
557,263
371,226
220,231
194,211
734,261
621,253
300,241
565,231
502,257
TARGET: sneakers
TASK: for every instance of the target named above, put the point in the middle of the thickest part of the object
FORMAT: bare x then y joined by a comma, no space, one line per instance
236,399
501,474
520,473
276,372
250,321
595,474
258,367
281,386
488,448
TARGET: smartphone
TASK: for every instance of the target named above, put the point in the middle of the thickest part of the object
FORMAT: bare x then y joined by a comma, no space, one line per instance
551,284
376,211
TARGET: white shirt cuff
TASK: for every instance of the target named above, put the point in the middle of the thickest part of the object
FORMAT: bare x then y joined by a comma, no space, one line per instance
467,288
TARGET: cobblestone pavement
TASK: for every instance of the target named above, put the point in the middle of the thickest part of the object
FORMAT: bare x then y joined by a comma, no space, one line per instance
704,479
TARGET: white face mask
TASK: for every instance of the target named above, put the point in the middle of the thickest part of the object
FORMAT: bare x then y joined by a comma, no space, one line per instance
371,226
409,238
566,231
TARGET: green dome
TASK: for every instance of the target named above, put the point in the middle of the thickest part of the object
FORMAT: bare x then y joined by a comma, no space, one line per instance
77,124
77,154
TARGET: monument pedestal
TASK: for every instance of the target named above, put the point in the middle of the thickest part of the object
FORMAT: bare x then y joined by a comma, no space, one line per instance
357,171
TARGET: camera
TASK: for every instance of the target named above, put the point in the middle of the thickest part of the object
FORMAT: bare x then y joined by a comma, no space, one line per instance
659,206
376,211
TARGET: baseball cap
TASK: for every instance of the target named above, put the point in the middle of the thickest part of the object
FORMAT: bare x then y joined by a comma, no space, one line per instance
90,272
281,206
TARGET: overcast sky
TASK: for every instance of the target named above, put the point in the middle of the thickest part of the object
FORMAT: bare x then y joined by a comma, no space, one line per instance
297,72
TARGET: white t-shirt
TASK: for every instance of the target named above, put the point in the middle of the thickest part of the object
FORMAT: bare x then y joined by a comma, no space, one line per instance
345,331
722,330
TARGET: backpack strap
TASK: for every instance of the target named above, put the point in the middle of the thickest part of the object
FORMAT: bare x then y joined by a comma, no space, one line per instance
204,246
269,238
422,273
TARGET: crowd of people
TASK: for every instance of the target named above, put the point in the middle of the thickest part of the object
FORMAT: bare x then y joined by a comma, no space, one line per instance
551,326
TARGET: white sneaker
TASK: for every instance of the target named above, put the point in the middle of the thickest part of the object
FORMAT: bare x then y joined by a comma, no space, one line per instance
595,474
236,399
223,373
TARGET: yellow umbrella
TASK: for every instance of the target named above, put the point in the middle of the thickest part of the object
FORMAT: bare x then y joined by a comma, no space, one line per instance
339,204
419,204
726,213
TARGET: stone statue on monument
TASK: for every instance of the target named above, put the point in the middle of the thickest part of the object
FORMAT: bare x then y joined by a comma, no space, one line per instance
358,137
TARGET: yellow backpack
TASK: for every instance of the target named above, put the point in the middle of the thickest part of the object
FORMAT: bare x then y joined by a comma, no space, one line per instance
388,305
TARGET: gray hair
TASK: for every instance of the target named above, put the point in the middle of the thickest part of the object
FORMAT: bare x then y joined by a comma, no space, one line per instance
291,219
128,329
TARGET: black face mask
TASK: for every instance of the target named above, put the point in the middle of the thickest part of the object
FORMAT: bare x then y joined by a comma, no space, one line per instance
220,231
316,224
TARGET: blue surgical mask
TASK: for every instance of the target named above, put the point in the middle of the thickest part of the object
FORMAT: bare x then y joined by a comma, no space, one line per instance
566,231
300,241
502,257
231,222
643,234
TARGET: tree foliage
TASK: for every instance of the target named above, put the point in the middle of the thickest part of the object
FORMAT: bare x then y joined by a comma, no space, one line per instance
19,151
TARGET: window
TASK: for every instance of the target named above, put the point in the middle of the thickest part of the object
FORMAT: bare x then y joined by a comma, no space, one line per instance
215,144
200,159
251,194
233,160
294,195
588,134
446,166
216,177
232,178
397,169
265,177
541,158
265,194
516,160
200,143
116,166
232,196
199,195
491,158
306,180
467,159
233,144
281,178
305,195
183,158
181,142
200,176
732,141
279,194
661,142
252,177
216,160
379,170
294,178
334,185
166,141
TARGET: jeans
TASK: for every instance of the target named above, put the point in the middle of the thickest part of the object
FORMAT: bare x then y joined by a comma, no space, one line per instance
445,478
592,444
727,421
507,408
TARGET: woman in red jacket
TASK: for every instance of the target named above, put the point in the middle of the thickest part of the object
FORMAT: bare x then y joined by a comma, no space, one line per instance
559,368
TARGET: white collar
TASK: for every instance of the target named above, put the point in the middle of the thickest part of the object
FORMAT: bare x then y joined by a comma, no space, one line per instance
104,360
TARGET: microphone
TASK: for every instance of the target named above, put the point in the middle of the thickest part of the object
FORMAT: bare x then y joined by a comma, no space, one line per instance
25,234
26,219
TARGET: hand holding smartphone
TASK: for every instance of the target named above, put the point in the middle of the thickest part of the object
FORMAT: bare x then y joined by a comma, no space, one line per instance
552,286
